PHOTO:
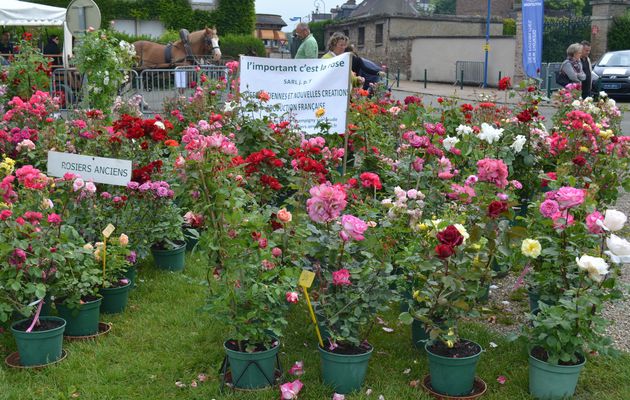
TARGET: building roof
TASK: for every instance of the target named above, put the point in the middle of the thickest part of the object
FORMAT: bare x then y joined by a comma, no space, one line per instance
385,7
270,19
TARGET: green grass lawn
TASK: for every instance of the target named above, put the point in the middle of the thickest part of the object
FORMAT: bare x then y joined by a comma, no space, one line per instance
162,338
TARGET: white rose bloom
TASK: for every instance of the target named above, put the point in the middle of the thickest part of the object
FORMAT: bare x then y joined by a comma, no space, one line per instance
449,142
464,130
517,146
618,249
489,133
614,220
463,231
612,103
617,245
596,267
159,124
603,94
229,106
387,202
576,104
401,194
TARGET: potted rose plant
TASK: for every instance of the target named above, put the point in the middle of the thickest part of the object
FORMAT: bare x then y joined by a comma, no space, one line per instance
247,286
352,285
574,281
32,233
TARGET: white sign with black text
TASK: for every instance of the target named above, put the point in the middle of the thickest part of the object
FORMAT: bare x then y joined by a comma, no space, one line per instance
97,169
301,86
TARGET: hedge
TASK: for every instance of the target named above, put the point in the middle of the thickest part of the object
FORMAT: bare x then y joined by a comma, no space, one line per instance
619,33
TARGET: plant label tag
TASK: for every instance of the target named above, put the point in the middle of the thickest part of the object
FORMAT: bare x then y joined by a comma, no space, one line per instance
306,278
109,229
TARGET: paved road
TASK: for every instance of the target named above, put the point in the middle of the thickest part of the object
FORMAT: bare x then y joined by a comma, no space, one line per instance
435,90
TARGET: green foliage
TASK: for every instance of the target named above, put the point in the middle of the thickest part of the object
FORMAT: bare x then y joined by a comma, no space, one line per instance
509,27
28,72
579,7
318,29
559,33
105,60
234,45
236,17
444,6
619,33
230,17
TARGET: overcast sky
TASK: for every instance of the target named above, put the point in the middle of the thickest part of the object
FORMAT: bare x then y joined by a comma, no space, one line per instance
294,8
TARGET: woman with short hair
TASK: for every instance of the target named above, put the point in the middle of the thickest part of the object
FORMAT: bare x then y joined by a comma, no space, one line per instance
337,45
572,67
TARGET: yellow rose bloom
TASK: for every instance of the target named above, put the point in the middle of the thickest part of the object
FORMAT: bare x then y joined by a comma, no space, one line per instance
450,344
320,112
531,248
584,149
606,134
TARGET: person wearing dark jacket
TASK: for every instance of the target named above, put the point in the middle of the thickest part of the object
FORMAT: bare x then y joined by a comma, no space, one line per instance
587,67
52,50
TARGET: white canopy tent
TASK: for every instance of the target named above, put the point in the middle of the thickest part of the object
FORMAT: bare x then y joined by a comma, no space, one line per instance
22,13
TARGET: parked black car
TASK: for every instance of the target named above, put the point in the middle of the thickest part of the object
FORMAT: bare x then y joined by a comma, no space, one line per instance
613,70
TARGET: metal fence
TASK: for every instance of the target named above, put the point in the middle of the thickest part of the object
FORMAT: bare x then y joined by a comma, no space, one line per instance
154,85
548,76
469,72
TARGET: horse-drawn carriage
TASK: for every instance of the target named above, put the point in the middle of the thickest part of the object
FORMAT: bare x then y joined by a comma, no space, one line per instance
162,70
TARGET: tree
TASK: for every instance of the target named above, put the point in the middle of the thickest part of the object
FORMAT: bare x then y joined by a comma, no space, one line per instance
444,6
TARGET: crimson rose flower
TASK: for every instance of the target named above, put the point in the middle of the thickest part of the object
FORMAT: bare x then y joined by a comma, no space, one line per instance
497,208
444,251
450,236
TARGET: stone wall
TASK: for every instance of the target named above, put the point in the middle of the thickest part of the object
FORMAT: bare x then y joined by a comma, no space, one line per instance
500,8
399,33
442,68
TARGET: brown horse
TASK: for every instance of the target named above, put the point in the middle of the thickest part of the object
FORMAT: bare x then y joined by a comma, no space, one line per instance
182,52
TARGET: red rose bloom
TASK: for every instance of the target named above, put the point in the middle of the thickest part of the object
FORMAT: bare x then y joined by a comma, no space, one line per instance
444,251
450,236
497,208
579,161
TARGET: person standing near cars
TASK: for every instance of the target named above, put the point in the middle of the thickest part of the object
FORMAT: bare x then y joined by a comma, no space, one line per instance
587,67
308,48
572,66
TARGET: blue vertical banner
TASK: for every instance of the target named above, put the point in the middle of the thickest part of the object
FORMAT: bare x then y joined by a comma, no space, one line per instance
533,11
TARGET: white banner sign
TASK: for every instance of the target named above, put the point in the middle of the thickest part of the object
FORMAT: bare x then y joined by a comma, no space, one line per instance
302,86
97,169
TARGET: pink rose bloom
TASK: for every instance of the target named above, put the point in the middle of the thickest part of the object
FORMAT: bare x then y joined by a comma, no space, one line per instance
297,369
5,214
471,180
549,208
290,390
591,222
276,252
78,184
341,277
493,171
516,184
54,219
292,297
502,196
352,227
90,187
568,197
464,193
418,164
561,220
327,202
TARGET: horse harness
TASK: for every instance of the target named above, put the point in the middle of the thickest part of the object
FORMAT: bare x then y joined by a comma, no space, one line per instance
168,50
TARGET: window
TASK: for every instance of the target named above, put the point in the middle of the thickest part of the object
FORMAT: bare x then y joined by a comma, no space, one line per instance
378,37
361,39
